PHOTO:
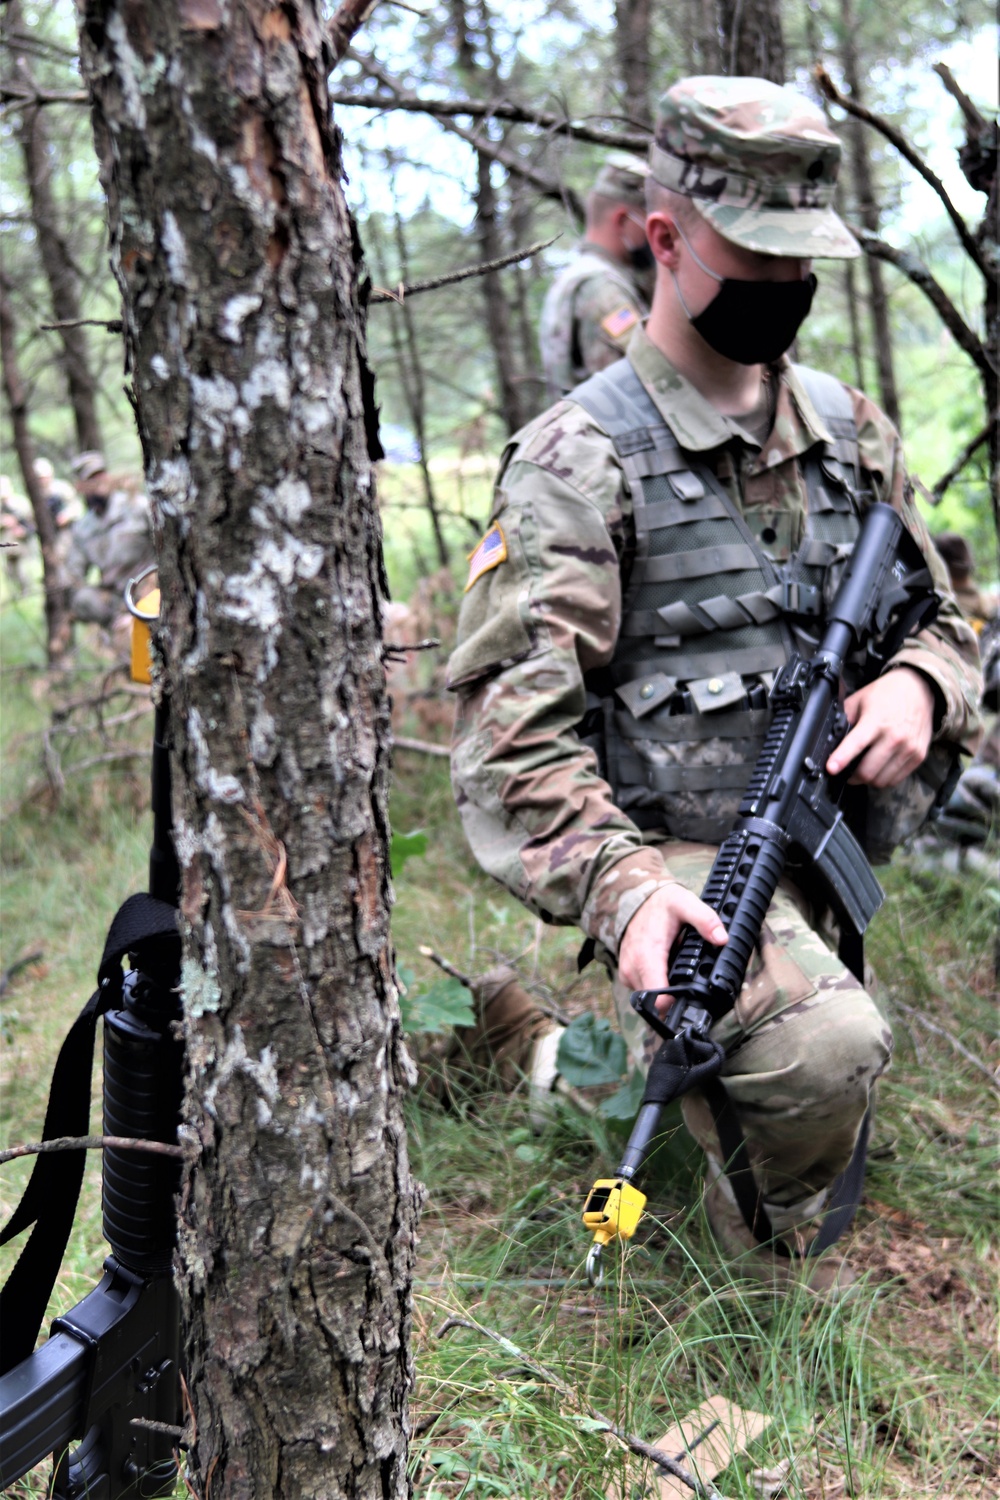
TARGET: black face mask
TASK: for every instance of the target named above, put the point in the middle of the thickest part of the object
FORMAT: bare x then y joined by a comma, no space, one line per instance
751,322
640,257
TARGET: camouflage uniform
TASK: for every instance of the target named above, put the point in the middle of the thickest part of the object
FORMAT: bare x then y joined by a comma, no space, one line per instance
119,544
542,614
596,301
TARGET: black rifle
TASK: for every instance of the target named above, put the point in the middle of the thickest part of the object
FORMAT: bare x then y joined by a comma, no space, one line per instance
791,803
114,1360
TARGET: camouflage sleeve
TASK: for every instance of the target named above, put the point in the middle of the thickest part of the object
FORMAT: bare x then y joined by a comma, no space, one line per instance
606,316
537,814
947,652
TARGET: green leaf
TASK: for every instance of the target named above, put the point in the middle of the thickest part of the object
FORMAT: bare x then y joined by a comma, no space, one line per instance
445,1003
591,1052
403,846
624,1105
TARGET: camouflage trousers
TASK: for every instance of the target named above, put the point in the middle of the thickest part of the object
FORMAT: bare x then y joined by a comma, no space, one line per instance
804,1045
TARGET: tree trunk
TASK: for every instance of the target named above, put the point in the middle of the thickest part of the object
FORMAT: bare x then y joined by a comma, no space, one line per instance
868,212
54,252
58,622
632,23
753,41
237,260
488,233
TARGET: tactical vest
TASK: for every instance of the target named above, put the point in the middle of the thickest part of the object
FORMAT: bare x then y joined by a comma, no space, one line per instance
679,716
561,357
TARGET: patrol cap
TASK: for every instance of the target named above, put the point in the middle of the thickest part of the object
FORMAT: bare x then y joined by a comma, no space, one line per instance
759,161
86,465
623,178
955,550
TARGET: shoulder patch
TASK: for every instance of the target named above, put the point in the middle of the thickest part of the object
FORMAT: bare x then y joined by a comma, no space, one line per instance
492,551
620,321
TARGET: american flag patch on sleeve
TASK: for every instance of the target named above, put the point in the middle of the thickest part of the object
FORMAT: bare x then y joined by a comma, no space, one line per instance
491,551
619,322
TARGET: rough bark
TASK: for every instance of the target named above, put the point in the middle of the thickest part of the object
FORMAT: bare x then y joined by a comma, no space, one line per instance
58,622
753,44
237,261
53,249
633,19
868,212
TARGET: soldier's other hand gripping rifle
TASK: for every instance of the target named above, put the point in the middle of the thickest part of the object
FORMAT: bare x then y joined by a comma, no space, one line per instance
791,801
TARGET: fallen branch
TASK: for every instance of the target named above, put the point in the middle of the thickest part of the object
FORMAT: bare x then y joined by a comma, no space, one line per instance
902,145
381,294
936,494
953,1041
92,1143
422,747
915,270
16,967
446,965
644,1450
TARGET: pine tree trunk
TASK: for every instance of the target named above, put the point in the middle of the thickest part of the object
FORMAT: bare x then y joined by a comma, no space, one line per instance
54,253
237,261
753,41
58,621
868,212
633,19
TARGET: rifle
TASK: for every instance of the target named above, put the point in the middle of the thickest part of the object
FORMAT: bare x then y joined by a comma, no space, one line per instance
107,1378
790,804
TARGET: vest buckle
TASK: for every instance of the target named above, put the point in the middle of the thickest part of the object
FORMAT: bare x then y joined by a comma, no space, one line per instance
800,598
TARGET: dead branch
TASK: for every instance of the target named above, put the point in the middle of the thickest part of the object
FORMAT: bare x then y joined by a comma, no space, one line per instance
548,187
92,1143
402,646
349,17
902,145
974,118
113,325
423,747
381,294
937,493
915,271
16,967
644,1450
953,1041
21,98
446,965
499,109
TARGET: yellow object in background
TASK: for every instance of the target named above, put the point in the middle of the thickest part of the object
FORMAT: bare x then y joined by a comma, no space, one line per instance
145,613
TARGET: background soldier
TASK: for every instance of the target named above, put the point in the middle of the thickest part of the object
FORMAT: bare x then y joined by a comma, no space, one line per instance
594,304
657,544
113,536
977,607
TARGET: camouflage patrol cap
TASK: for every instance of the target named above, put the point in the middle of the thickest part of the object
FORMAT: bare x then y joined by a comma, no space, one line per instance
759,161
623,178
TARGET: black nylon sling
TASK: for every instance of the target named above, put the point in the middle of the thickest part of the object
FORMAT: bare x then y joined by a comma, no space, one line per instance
50,1199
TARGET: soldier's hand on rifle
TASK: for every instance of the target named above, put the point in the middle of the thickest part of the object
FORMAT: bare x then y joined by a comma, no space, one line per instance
649,937
893,721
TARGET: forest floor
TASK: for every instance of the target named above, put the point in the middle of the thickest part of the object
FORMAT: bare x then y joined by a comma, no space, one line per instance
889,1393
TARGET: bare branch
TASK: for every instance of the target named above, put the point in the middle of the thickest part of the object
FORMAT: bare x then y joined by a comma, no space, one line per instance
349,17
423,747
917,272
380,294
113,325
19,98
902,145
499,109
548,187
974,118
937,493
92,1143
953,1041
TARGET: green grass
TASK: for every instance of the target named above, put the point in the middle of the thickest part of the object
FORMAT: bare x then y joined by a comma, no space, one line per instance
887,1395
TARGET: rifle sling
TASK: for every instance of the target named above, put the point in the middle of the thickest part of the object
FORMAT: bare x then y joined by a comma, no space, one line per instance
49,1201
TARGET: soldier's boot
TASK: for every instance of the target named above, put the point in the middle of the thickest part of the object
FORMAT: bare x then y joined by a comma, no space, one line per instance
827,1274
512,1039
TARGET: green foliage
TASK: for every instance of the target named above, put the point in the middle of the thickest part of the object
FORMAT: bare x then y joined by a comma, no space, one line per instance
591,1052
404,846
429,1009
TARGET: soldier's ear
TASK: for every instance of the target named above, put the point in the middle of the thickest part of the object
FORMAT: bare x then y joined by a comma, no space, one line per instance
664,239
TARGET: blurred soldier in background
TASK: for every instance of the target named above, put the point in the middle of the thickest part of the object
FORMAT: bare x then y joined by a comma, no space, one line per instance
975,605
113,536
594,304
17,527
